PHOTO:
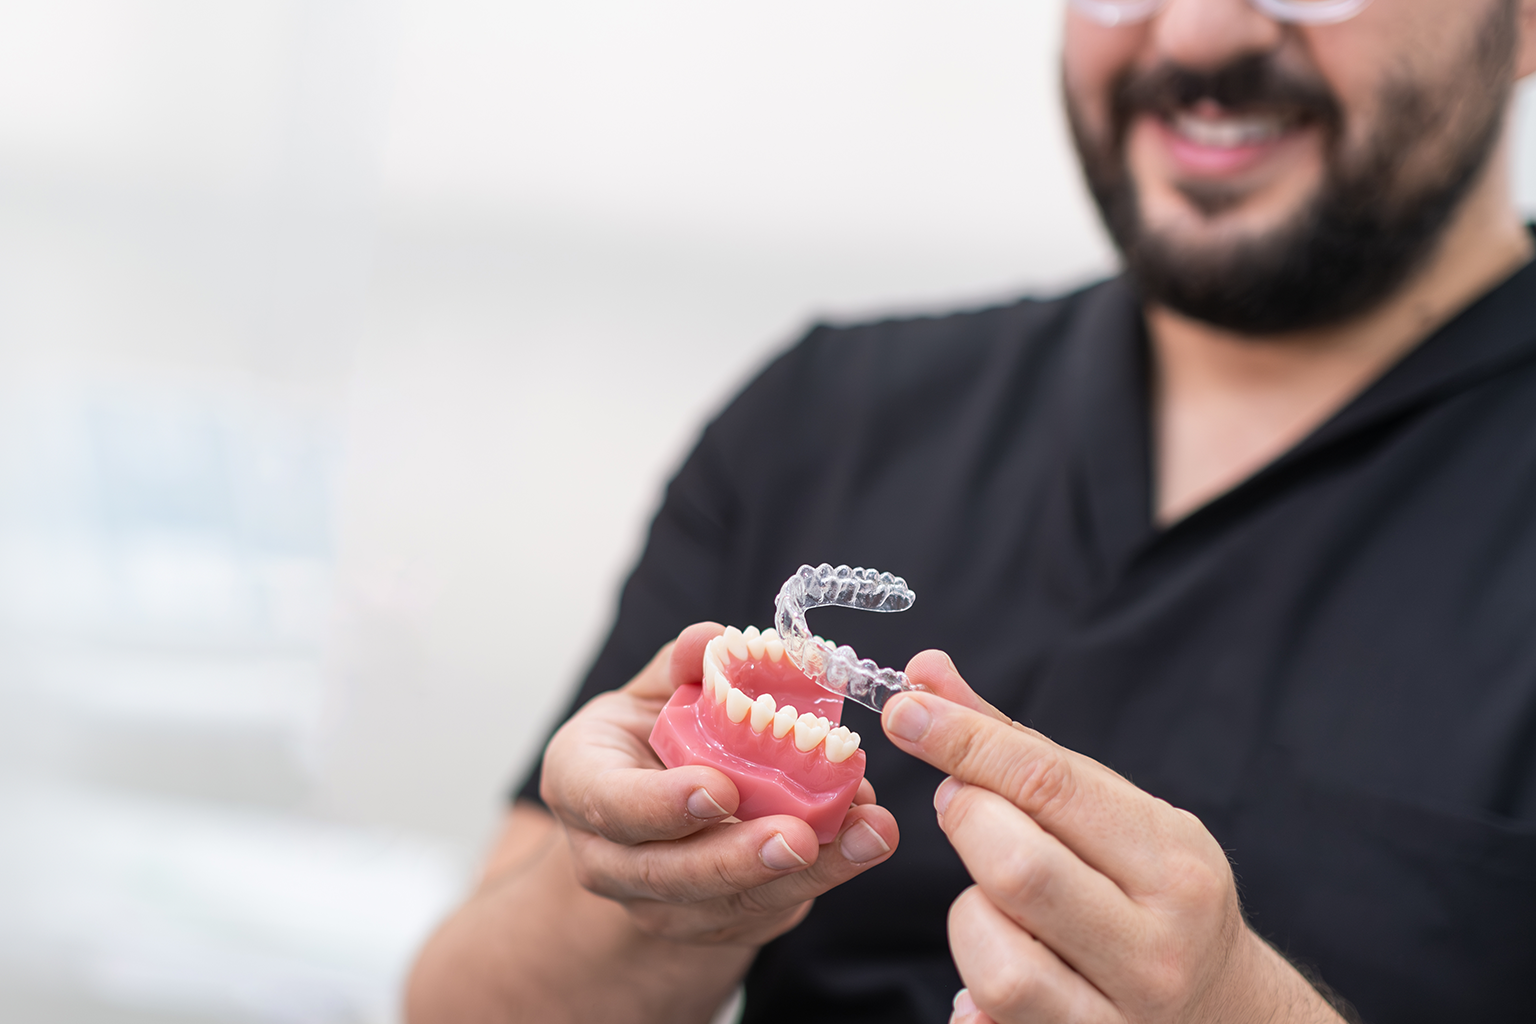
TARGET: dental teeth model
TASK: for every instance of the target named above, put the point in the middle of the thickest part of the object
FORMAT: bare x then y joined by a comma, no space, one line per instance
766,713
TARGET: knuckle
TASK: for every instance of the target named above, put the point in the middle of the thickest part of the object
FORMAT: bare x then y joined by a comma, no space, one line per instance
1213,882
753,903
676,876
587,875
594,868
547,790
654,919
720,875
1042,782
594,814
1202,881
660,882
614,818
970,751
1025,877
1008,990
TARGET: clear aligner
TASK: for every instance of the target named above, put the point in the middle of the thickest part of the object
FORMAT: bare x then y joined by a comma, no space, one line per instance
836,668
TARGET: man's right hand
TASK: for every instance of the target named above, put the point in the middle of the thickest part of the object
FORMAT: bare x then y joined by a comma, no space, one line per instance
658,841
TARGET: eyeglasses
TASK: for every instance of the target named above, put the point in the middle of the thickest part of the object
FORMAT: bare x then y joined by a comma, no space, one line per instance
1302,12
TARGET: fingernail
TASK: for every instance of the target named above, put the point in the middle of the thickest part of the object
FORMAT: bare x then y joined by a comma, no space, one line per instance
965,1006
861,843
779,855
702,805
945,793
910,720
956,671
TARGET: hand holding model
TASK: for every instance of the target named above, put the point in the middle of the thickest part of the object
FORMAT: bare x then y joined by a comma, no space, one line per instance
654,841
1094,901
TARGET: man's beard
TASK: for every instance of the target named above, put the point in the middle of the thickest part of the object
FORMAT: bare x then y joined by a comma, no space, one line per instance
1373,221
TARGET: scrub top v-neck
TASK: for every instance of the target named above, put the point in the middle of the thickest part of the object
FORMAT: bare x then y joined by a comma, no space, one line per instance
1333,664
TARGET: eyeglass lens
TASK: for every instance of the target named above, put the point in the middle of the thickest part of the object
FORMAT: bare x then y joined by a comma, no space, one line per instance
1305,12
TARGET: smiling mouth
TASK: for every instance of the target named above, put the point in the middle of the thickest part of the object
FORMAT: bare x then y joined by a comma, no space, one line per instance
1228,131
1213,146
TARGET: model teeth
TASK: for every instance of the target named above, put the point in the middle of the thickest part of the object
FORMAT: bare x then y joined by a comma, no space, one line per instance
841,743
807,730
715,657
736,643
713,678
762,712
784,720
744,645
737,705
754,641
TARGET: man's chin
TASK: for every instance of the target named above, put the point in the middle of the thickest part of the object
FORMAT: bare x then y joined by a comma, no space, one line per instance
1211,218
1210,246
1242,270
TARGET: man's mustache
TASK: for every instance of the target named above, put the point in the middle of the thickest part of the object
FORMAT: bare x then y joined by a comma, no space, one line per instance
1252,84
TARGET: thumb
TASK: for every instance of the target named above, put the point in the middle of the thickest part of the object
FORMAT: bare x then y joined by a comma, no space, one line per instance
687,664
678,662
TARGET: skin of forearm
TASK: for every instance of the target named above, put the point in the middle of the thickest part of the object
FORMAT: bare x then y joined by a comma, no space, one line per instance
1309,997
1270,988
532,945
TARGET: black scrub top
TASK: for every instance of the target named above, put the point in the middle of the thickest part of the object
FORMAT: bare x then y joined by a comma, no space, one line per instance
1333,664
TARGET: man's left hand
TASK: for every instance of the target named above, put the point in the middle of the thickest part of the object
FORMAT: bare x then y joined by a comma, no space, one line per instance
1094,901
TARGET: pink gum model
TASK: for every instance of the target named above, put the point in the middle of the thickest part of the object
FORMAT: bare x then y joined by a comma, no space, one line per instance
768,728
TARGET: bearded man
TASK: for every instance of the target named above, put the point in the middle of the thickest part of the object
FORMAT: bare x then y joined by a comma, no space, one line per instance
1245,538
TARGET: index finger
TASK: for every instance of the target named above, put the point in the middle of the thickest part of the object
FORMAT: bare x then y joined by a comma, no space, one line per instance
1096,813
935,672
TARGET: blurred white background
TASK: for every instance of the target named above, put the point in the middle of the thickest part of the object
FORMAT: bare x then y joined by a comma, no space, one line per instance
344,349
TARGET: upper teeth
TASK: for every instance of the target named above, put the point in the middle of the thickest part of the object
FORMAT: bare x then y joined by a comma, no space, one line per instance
809,731
747,643
736,643
1227,132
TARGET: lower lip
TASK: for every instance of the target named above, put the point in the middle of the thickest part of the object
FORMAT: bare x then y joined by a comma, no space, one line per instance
1215,161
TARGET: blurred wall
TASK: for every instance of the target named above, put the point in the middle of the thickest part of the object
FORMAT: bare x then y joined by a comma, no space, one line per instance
344,349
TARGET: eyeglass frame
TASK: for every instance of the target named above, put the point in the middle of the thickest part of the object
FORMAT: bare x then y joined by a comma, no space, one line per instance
1300,12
